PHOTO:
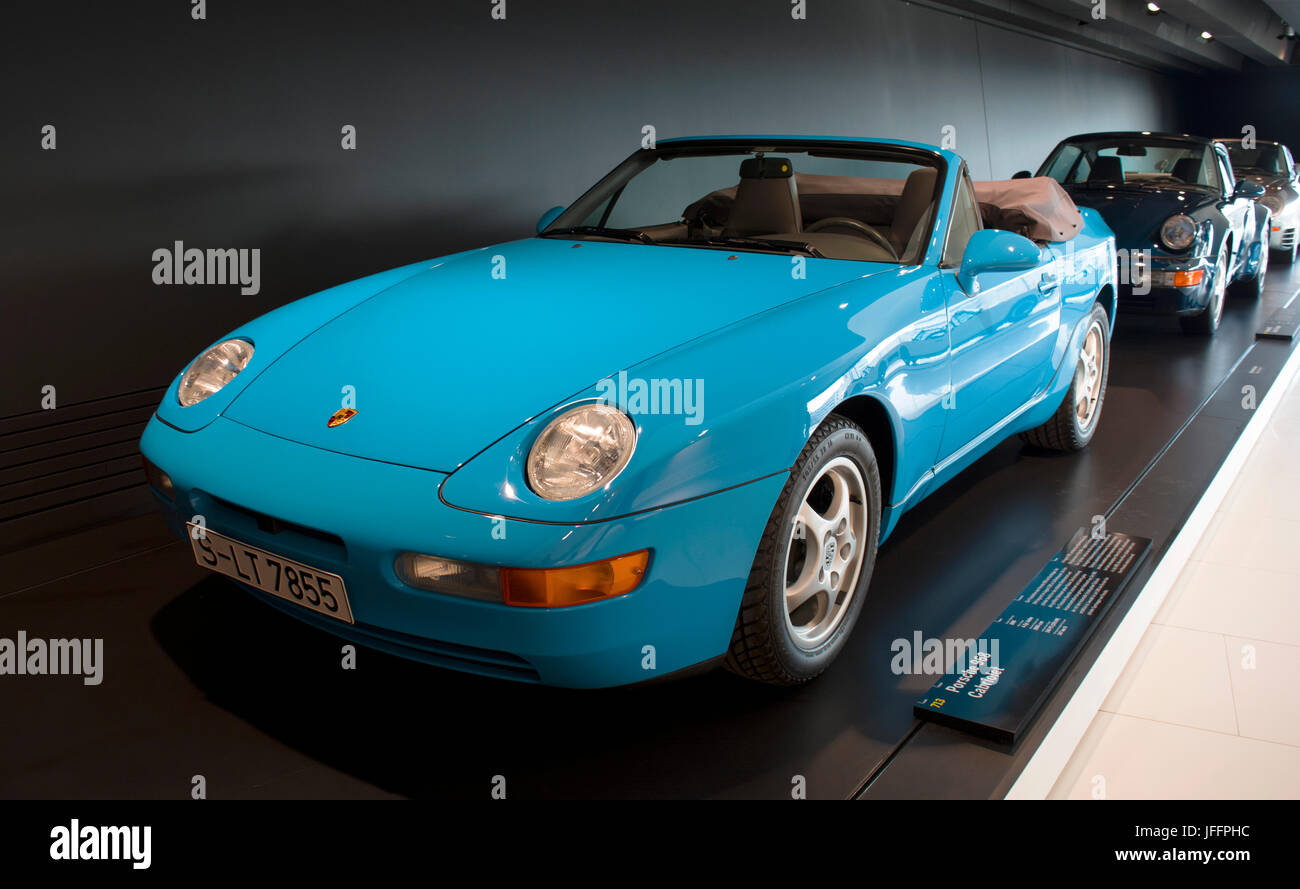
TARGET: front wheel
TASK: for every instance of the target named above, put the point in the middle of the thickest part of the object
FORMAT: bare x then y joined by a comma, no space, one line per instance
1253,287
814,561
1206,321
1075,421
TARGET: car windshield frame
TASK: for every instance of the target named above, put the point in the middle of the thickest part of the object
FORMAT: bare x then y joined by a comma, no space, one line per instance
569,223
1102,141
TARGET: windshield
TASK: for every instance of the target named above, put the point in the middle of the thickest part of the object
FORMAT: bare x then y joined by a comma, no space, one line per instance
1261,158
859,203
1137,161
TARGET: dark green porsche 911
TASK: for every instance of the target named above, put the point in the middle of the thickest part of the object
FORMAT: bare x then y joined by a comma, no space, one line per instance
1188,231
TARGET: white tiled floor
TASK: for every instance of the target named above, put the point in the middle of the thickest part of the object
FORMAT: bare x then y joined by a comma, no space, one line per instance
1207,707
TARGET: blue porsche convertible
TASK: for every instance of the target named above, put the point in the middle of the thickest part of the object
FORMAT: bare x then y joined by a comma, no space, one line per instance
669,430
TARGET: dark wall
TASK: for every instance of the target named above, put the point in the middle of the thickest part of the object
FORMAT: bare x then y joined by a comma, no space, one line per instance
1266,98
226,133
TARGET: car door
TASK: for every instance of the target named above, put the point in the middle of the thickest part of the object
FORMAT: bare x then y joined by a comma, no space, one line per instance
1239,211
1001,336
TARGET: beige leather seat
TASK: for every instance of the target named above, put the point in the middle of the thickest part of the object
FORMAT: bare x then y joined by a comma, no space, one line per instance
767,201
918,192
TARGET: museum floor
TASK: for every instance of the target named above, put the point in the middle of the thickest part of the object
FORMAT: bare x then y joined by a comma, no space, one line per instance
1205,707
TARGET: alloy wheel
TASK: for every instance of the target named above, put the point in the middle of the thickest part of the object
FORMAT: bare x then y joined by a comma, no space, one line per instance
1088,376
823,556
1217,293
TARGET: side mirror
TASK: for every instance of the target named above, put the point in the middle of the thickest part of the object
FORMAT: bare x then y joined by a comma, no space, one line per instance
1023,174
1248,189
994,250
548,217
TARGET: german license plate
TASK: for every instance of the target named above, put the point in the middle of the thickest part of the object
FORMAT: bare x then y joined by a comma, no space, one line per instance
301,584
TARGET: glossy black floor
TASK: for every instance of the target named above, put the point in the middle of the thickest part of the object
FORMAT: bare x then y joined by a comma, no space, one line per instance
200,679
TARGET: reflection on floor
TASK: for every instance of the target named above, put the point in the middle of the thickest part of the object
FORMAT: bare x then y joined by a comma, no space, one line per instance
1206,707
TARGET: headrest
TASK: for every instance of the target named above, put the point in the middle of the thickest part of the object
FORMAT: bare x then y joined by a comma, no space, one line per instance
766,168
1106,169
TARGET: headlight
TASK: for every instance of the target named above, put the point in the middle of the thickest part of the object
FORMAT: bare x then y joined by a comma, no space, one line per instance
1273,202
1178,232
579,451
213,369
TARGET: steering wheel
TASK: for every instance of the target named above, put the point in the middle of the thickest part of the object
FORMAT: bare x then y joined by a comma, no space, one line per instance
857,226
702,220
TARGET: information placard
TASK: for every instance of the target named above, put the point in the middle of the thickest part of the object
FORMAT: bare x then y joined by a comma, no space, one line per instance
1281,324
996,690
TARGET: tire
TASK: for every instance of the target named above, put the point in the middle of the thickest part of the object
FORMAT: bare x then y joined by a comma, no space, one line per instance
1252,288
1206,321
771,643
1067,430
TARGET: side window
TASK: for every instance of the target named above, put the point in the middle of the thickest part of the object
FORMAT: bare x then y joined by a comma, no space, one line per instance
965,221
1290,163
1063,163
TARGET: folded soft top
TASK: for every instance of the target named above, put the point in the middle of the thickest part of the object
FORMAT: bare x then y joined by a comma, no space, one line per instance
1039,208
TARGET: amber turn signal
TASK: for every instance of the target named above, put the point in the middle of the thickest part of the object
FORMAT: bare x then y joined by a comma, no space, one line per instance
1189,279
574,585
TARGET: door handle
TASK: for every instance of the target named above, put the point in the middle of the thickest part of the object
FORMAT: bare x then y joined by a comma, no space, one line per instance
1048,283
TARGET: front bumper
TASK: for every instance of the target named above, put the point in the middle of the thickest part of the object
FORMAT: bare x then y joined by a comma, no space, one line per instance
353,516
1161,293
1165,300
1283,237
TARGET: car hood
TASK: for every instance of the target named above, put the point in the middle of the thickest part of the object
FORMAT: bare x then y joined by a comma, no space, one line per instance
1279,186
1136,214
446,362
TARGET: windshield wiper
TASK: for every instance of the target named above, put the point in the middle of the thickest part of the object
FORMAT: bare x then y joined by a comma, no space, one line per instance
632,234
1099,184
1135,186
621,234
768,244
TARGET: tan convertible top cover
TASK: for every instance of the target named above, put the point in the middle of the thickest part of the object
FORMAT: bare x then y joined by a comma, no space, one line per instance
1039,207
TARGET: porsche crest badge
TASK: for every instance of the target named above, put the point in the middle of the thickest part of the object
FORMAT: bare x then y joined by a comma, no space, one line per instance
341,416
